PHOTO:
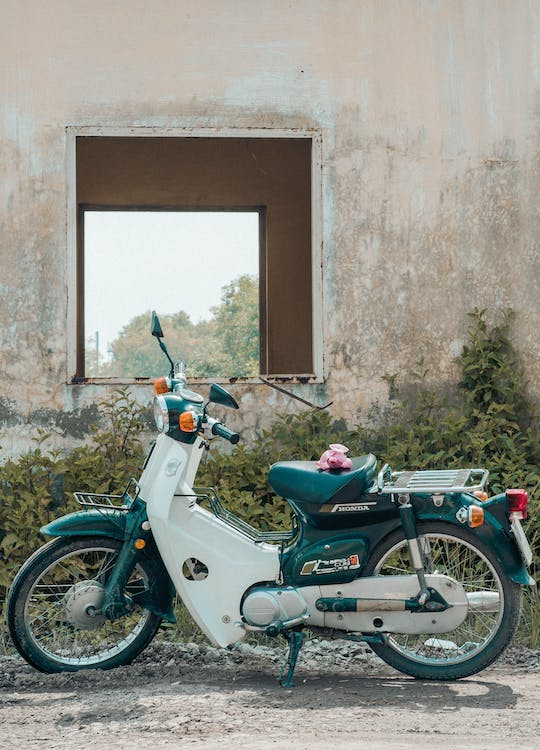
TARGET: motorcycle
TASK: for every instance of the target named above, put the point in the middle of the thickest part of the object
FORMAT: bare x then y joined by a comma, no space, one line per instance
420,565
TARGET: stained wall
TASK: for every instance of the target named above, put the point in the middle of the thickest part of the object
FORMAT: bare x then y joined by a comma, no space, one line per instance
428,117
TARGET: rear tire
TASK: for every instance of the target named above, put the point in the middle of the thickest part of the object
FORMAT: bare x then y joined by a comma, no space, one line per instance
494,604
53,609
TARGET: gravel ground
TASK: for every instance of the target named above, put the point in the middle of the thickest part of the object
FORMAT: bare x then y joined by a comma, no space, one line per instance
195,696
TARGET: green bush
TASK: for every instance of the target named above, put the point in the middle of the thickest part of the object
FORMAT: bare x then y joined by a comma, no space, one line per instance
36,487
488,422
240,477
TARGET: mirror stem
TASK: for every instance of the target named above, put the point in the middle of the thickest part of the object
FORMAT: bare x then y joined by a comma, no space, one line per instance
164,350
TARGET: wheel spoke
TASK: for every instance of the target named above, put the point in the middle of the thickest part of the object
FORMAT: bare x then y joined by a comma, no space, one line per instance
451,556
58,615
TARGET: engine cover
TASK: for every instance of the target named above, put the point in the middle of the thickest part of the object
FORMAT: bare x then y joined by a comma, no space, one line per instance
266,605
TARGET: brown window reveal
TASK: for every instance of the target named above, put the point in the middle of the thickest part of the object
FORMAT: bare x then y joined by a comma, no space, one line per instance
272,175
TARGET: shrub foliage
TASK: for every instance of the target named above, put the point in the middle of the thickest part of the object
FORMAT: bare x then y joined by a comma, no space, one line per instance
489,422
36,487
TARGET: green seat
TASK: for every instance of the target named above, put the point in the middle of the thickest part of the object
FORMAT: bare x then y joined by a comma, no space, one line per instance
303,481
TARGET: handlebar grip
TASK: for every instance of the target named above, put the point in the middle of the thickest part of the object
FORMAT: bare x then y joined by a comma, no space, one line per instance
224,432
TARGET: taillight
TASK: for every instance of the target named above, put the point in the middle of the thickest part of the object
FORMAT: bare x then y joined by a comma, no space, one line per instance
518,500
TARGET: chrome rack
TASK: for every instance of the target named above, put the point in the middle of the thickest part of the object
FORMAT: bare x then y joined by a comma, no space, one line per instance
440,482
208,494
117,502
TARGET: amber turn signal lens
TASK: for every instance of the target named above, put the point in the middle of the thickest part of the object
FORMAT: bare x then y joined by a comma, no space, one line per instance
139,544
483,496
161,385
476,516
186,420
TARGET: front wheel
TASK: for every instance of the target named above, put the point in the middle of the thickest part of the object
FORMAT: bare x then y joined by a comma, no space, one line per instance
54,608
494,604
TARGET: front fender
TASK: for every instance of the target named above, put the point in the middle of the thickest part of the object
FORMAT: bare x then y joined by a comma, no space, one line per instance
92,522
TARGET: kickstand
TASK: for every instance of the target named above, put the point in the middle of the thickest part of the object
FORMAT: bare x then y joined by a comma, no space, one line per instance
295,639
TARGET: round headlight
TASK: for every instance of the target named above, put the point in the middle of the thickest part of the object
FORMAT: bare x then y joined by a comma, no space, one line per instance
161,414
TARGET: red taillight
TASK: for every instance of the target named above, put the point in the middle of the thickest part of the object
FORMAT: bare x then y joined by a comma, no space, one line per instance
518,500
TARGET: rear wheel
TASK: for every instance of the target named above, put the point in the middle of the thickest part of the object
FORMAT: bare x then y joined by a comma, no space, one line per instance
494,604
54,608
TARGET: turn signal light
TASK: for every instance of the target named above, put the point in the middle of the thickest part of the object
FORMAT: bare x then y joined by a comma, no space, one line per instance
472,515
139,544
518,501
161,386
187,421
481,495
476,516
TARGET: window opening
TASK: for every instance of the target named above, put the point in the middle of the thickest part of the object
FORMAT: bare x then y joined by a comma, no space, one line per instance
268,175
198,269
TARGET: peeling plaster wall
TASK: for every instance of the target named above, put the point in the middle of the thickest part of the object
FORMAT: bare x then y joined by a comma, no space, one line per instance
428,112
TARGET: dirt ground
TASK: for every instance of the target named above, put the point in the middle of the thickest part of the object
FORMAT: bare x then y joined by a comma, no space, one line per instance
190,696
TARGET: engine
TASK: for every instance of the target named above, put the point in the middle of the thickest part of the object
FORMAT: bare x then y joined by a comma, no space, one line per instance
267,605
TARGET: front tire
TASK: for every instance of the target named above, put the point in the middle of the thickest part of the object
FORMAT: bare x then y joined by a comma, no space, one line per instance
494,604
53,609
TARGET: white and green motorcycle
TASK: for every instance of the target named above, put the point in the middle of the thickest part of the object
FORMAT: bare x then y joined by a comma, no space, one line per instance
420,565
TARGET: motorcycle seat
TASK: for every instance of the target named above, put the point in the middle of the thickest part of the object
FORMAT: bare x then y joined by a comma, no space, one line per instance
303,481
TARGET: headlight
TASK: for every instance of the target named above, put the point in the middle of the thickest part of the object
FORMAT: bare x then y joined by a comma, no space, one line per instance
177,417
161,414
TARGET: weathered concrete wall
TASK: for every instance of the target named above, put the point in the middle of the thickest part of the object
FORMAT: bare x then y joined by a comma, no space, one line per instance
429,114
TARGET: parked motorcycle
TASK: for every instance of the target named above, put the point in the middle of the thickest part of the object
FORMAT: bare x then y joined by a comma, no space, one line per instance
418,564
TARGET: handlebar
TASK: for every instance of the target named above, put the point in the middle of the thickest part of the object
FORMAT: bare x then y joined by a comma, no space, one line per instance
224,432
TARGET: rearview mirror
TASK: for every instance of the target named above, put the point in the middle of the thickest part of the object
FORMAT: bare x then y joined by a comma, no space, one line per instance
156,326
219,395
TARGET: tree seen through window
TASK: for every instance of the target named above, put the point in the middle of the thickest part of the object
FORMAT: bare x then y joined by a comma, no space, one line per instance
198,270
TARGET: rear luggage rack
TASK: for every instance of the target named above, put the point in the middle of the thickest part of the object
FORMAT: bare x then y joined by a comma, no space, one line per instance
118,502
439,482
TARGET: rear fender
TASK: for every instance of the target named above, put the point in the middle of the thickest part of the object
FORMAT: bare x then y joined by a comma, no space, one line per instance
495,532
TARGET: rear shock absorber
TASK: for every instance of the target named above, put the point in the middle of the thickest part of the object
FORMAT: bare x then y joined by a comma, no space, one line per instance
408,521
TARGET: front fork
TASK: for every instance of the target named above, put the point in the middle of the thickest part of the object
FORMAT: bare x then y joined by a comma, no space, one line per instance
137,533
408,521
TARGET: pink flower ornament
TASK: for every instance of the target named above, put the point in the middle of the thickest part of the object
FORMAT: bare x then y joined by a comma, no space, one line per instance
334,458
